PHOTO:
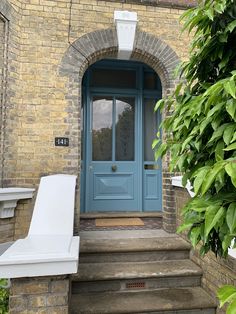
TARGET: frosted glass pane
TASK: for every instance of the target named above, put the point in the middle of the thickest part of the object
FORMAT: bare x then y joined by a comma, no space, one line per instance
150,128
102,128
125,128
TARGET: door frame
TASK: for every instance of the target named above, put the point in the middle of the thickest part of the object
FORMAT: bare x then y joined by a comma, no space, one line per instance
140,94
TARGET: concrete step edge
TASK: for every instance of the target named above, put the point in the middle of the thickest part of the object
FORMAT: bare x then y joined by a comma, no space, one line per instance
88,246
140,270
155,301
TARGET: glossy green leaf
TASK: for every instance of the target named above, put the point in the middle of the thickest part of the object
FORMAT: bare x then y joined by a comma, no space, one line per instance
231,108
219,151
184,227
226,294
210,13
219,132
194,236
226,243
228,133
155,143
160,151
230,88
159,105
213,215
231,26
231,147
232,307
200,178
211,177
230,168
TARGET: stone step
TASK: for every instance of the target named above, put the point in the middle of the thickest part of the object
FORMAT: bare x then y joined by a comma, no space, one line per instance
101,250
131,276
193,300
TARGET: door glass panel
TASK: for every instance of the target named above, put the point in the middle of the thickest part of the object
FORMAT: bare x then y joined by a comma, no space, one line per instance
113,78
102,128
150,128
124,139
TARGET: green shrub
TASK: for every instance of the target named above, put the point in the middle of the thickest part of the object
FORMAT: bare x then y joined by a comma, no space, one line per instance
201,130
4,297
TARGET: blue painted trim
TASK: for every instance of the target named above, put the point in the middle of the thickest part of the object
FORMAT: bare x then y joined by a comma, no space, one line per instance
113,128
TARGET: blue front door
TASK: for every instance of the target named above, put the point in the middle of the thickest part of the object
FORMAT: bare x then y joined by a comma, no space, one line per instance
113,172
118,168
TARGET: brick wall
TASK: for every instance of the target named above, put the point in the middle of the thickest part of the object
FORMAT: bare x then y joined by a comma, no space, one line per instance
10,108
40,295
216,272
11,94
161,3
41,104
7,230
2,91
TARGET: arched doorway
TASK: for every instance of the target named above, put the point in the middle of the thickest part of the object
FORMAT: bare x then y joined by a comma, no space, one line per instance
119,172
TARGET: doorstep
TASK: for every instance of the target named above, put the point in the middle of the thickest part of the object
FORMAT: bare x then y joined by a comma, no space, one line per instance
93,215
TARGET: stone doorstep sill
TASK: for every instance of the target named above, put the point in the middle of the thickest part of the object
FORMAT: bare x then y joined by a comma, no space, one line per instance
177,181
42,255
9,198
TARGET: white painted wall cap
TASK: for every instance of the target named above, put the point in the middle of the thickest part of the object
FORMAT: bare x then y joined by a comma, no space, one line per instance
36,249
15,193
177,181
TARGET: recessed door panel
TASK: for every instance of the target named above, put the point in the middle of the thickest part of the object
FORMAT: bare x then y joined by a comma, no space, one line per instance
152,177
108,186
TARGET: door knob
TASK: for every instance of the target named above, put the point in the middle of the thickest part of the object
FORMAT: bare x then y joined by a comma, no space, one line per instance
113,168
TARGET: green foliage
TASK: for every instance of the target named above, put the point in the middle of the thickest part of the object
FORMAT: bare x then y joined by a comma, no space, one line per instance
227,294
4,296
201,129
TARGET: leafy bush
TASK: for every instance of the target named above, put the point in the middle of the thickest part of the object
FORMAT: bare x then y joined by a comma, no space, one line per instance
4,296
201,131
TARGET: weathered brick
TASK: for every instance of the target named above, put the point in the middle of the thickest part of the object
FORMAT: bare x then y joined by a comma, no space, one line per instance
37,301
60,286
57,299
40,295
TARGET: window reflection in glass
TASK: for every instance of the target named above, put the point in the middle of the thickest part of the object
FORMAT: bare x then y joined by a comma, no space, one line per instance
102,128
150,128
125,129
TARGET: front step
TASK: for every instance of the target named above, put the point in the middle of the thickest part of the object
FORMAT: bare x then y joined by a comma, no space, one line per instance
137,272
142,275
133,249
160,301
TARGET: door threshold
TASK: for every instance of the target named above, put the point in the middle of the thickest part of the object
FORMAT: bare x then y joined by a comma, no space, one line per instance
92,215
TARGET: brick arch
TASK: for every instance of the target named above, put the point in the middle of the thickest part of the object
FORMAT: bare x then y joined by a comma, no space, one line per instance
99,45
159,56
